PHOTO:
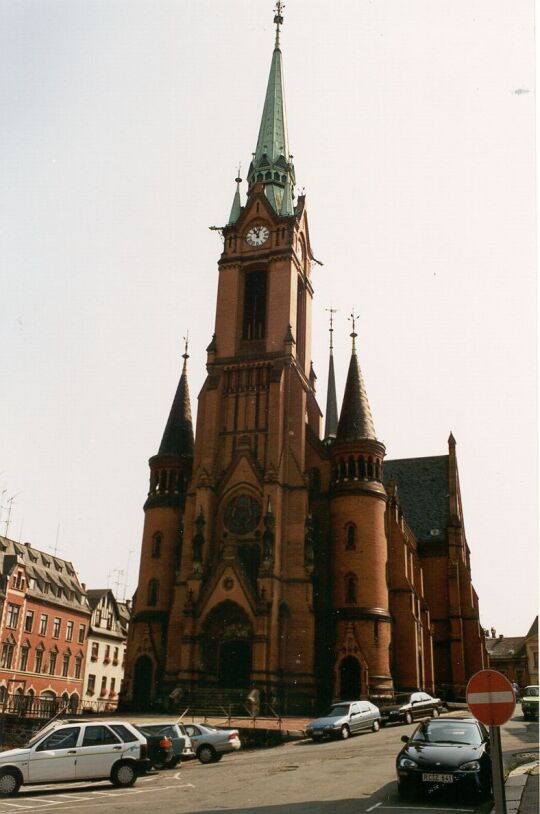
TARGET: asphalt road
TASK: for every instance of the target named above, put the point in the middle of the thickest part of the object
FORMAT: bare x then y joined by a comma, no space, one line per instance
336,777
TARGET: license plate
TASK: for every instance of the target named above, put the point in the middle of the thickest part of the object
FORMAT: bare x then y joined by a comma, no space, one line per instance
317,731
433,777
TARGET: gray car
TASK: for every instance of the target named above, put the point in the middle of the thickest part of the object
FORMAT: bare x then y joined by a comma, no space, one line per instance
210,744
344,719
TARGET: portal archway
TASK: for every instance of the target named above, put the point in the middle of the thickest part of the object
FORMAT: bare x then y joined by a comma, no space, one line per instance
226,645
142,681
349,679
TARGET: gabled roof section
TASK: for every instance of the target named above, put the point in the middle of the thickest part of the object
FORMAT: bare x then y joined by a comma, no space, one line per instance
423,494
505,647
533,630
178,436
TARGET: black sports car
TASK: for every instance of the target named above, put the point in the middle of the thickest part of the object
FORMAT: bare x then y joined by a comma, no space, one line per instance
445,754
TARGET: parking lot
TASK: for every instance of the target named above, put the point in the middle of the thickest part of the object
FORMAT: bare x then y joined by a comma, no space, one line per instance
332,777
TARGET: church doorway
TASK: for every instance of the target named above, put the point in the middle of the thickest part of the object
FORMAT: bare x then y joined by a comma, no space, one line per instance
142,682
234,664
349,679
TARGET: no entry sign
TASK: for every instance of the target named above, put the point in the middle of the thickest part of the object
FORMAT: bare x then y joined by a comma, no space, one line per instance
490,697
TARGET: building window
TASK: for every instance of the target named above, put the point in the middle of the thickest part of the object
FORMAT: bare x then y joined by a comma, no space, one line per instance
18,581
109,621
253,326
113,685
91,687
95,651
23,658
82,629
156,545
350,589
7,656
56,627
69,630
12,619
350,537
29,621
98,617
65,665
107,656
39,661
43,619
52,664
78,665
103,686
115,657
153,590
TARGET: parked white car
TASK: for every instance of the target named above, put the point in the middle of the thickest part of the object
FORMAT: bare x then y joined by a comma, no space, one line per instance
76,750
210,744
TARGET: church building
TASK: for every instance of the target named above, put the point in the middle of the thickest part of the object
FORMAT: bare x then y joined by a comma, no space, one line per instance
276,556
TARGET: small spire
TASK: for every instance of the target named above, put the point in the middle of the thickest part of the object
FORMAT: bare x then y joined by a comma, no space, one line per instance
237,201
355,421
331,421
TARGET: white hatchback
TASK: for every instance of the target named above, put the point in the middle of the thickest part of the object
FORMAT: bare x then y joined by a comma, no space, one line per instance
77,750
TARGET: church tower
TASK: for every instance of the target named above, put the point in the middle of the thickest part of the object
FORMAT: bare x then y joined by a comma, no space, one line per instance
359,555
242,614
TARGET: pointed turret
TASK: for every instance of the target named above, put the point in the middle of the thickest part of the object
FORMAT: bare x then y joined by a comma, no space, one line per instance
237,203
331,420
355,421
271,164
178,436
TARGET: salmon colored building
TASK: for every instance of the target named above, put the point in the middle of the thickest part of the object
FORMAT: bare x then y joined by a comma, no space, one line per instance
275,556
43,627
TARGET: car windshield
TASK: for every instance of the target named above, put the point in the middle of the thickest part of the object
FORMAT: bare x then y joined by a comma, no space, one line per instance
448,732
338,710
530,692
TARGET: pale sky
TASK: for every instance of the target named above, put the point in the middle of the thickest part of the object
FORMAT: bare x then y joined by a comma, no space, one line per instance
122,123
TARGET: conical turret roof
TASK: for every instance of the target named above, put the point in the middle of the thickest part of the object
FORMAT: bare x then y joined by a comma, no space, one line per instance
178,436
355,421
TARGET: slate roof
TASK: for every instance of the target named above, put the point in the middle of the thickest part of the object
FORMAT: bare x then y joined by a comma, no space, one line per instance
533,630
54,580
505,647
355,421
423,494
178,436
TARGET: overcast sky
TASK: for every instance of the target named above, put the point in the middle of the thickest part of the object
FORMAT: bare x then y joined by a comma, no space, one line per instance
122,124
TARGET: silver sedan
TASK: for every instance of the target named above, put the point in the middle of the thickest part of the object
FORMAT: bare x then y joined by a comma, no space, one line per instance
210,744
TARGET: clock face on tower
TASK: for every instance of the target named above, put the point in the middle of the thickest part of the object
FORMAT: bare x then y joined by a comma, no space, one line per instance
258,235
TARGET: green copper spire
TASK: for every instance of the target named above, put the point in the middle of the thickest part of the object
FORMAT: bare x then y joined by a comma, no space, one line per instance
237,203
272,164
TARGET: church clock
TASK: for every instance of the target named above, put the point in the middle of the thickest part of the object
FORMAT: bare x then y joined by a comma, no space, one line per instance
258,235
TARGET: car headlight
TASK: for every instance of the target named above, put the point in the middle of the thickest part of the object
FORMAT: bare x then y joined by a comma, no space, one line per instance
407,763
471,766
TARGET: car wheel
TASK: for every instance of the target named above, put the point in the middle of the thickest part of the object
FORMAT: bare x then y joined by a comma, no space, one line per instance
123,775
206,753
375,726
10,782
434,712
344,732
408,717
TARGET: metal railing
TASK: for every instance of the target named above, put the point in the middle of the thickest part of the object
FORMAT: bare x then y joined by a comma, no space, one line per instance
34,706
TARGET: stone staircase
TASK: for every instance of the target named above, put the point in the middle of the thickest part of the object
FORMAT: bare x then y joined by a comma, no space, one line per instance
216,701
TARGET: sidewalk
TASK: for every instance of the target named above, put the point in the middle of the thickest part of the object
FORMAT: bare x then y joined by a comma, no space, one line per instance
521,790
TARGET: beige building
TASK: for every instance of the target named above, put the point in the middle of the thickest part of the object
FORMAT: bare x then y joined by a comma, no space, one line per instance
106,650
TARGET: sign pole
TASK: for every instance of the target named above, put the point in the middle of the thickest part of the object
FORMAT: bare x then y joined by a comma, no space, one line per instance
497,770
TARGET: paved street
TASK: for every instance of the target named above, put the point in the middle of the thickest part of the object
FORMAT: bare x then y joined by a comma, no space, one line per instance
300,778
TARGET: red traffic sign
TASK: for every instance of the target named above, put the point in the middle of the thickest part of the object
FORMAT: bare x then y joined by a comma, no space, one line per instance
490,697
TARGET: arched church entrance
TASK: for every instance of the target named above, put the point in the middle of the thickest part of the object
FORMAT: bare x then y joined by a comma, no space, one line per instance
142,682
226,645
349,679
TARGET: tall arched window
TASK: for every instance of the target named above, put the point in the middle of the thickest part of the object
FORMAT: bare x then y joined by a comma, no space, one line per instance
156,544
350,589
153,591
350,537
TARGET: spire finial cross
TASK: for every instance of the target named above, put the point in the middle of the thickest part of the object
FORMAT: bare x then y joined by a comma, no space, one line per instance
353,317
332,311
185,354
278,19
238,178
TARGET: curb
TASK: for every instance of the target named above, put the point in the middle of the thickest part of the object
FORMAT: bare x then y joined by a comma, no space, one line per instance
515,786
